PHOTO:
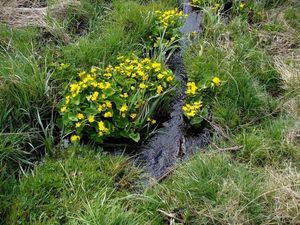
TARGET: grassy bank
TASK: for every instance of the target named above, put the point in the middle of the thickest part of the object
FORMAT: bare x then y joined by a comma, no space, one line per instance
248,175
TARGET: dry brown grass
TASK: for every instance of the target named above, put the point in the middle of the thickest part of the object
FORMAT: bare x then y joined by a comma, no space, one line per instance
284,46
23,3
21,17
284,188
15,14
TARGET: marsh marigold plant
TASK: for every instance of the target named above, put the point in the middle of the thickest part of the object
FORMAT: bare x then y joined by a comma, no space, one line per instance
166,28
119,101
199,97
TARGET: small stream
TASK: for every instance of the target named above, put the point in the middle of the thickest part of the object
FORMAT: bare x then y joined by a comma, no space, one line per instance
174,142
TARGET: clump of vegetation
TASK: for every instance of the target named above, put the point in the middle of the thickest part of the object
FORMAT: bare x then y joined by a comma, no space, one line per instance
119,101
59,190
165,30
200,97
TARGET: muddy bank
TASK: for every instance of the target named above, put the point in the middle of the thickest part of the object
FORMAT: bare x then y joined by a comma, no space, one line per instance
174,141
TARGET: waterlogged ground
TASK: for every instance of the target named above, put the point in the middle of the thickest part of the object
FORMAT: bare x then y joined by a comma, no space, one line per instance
170,145
249,171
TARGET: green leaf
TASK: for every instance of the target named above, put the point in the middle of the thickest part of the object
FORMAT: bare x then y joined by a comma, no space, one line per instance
135,136
72,117
196,120
76,100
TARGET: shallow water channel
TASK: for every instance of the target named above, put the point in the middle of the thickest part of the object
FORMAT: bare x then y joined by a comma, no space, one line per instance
174,141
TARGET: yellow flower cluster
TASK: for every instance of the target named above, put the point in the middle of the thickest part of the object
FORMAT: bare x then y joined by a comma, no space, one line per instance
169,18
191,110
109,101
201,3
102,129
191,88
194,105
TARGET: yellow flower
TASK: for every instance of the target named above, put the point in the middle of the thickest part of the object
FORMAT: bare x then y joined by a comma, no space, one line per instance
68,98
142,86
100,108
124,108
192,109
242,5
170,78
108,75
125,95
102,127
108,114
146,60
94,84
108,104
110,69
91,119
93,70
133,115
75,89
94,96
153,122
216,81
156,66
80,116
192,113
160,76
63,109
159,89
191,88
63,66
101,85
107,86
75,138
81,74
141,73
198,104
145,77
88,78
186,108
77,125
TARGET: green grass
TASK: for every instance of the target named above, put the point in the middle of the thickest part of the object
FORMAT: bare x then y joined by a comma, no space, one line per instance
86,187
129,24
257,109
64,189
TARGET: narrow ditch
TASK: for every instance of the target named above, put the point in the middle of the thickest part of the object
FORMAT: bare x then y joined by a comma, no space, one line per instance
175,141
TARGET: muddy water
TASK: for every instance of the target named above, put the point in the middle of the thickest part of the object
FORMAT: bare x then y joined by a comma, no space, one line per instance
174,142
